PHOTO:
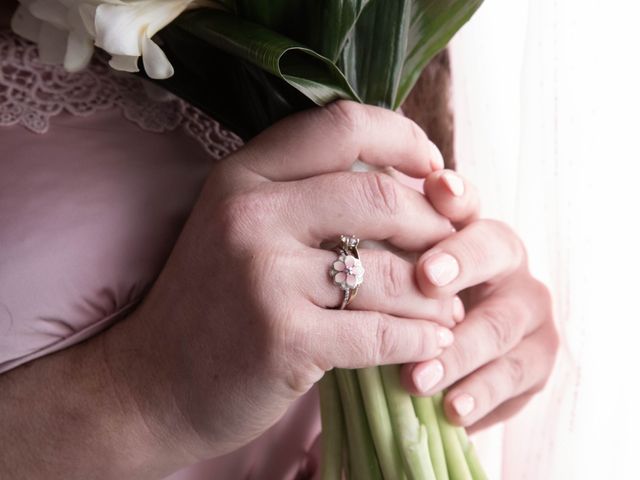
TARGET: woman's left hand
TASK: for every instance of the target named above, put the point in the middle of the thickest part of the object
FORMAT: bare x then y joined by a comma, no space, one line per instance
506,345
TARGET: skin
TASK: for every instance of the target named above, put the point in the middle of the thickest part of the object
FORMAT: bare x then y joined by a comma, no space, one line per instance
194,373
506,347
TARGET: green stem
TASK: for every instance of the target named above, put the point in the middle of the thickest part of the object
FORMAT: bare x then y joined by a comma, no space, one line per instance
375,405
477,472
363,463
332,428
426,411
410,434
456,461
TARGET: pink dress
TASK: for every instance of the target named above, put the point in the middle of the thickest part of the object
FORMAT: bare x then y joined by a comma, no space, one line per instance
98,173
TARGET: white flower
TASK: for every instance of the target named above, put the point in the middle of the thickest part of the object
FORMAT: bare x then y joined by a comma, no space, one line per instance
67,30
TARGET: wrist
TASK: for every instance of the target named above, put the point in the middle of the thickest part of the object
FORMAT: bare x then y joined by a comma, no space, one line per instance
142,384
75,409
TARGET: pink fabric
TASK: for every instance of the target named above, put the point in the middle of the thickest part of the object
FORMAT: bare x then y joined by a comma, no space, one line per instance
89,212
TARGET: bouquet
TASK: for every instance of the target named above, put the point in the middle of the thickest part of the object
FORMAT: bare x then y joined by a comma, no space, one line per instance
249,63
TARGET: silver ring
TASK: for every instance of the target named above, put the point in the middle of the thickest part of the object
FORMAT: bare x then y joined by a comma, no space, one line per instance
347,271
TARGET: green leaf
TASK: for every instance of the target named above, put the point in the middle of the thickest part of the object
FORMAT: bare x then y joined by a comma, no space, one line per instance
241,96
433,23
229,5
287,17
308,72
322,25
330,24
374,56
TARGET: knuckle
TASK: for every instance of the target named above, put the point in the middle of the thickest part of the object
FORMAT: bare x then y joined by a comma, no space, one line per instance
515,370
501,328
301,370
493,393
551,348
539,387
417,133
300,381
554,344
294,352
543,296
380,191
502,234
461,359
426,344
345,115
386,341
391,274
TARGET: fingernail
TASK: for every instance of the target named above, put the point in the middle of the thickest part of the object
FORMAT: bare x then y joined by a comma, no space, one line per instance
454,183
428,375
437,161
457,309
441,269
445,337
463,404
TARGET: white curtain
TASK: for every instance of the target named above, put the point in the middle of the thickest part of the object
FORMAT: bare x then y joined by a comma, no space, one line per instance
547,97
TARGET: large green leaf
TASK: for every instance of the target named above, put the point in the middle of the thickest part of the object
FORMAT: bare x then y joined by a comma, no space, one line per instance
305,70
394,40
248,74
433,23
374,55
331,23
322,25
286,17
242,96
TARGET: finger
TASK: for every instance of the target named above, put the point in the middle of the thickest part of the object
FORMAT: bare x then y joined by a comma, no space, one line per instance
457,309
484,251
505,411
490,330
524,369
452,196
358,339
373,206
330,139
389,287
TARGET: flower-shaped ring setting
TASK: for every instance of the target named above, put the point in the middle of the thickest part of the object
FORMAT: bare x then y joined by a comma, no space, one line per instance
347,270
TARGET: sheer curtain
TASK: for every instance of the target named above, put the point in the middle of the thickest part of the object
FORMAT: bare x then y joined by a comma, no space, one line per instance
547,97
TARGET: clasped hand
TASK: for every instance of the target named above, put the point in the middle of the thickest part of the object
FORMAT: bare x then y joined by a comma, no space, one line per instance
240,310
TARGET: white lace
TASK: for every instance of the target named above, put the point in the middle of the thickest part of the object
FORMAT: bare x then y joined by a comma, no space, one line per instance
31,93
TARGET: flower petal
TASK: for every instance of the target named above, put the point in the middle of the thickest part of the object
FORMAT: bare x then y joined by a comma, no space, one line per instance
339,266
340,277
349,261
156,64
352,281
79,51
163,13
118,29
124,63
50,11
87,14
52,44
25,24
121,28
358,270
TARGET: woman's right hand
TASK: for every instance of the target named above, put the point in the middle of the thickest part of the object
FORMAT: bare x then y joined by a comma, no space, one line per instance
237,326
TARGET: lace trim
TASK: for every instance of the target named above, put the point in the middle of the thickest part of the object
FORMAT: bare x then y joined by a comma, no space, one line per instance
31,93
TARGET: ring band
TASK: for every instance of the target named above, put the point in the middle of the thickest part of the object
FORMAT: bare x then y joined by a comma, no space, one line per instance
347,271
